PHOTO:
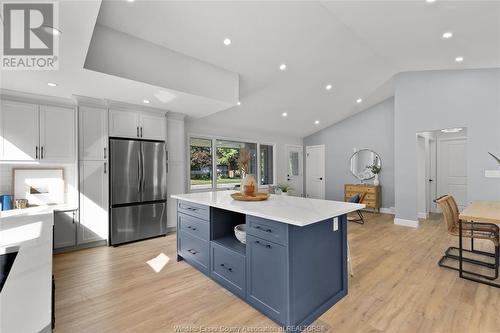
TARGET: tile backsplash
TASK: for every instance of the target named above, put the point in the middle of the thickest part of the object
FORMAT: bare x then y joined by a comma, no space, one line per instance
70,179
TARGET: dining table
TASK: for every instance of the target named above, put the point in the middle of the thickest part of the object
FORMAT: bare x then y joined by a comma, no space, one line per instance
483,212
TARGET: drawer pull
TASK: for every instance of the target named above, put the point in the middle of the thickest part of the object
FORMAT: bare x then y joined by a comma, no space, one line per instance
266,230
228,268
192,228
193,251
262,244
192,209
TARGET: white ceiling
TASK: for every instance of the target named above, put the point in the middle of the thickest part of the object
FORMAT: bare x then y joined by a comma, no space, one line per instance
357,46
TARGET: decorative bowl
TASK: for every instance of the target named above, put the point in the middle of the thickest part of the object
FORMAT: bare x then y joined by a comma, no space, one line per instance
240,232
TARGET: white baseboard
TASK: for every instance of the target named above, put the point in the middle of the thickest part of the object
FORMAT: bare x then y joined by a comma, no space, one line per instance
406,223
388,210
422,215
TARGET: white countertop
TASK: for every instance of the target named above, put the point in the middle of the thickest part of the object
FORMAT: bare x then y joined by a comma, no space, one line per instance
35,210
287,209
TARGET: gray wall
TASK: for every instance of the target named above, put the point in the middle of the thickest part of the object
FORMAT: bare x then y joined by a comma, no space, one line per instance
373,129
442,99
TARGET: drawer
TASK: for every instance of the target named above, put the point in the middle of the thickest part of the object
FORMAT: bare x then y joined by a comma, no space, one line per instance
194,250
272,231
370,196
193,209
351,188
370,190
194,226
228,268
370,204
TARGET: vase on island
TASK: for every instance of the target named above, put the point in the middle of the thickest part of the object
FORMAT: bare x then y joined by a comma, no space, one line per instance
248,185
376,181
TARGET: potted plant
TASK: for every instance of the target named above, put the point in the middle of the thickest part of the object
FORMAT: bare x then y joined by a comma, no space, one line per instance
284,188
375,169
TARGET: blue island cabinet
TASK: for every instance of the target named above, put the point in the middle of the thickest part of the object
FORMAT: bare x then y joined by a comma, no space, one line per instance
290,273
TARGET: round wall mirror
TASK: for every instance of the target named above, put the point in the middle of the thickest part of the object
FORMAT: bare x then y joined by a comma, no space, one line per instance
361,163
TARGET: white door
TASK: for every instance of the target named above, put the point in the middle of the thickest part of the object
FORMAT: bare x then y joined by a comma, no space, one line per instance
452,169
123,123
57,134
153,126
315,172
93,131
93,224
19,131
294,163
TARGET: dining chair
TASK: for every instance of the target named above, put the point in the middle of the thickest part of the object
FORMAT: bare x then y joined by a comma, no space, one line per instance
357,198
471,230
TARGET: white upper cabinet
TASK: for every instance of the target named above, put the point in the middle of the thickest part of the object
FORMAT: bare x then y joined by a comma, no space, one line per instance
124,123
93,132
57,134
153,126
18,131
137,124
29,132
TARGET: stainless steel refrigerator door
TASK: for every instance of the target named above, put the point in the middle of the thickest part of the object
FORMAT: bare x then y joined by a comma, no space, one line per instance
125,171
154,171
137,222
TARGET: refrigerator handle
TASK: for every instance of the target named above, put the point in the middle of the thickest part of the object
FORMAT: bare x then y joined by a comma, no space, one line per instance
139,172
142,168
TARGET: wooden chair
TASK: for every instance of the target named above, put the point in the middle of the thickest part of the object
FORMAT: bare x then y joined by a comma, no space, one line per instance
358,198
472,230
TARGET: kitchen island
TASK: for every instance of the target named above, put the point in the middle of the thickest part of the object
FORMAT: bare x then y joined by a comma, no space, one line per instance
293,266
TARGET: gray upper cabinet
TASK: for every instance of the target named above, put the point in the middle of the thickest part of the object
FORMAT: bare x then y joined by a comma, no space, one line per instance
266,277
93,132
65,223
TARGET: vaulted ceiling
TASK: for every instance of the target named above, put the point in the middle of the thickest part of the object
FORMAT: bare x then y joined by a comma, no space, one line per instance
356,46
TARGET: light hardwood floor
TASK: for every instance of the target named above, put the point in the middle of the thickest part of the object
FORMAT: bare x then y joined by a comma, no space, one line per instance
397,287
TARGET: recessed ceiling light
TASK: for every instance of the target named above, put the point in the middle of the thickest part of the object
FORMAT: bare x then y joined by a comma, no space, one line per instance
284,114
130,0
146,101
359,100
447,35
282,67
316,122
430,1
459,59
51,30
239,103
328,87
227,41
52,84
451,130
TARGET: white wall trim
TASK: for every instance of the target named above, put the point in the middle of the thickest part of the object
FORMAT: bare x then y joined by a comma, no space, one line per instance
388,210
406,223
422,215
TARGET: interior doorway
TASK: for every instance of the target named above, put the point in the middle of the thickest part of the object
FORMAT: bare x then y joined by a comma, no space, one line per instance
294,173
441,168
315,172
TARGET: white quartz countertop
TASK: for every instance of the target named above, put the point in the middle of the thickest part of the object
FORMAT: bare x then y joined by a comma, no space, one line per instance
287,209
35,210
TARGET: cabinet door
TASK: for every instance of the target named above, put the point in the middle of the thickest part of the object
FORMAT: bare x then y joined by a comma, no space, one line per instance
64,229
153,126
57,134
93,133
266,277
19,133
124,123
93,224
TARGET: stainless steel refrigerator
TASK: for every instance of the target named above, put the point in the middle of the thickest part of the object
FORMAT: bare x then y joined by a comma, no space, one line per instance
138,180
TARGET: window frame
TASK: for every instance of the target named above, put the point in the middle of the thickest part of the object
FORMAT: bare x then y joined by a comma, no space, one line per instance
214,139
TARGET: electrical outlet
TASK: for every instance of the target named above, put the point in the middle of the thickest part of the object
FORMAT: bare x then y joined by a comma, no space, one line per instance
492,173
335,223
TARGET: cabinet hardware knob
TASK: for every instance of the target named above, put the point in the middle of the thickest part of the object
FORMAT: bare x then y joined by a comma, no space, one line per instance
141,131
104,167
36,152
104,152
41,154
265,245
260,228
138,131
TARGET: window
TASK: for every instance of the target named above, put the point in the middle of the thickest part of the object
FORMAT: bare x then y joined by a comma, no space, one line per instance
228,171
266,164
201,163
214,163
